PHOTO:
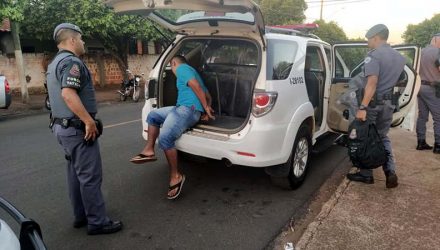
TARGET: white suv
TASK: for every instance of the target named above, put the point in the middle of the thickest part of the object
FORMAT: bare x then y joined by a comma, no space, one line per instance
275,91
5,93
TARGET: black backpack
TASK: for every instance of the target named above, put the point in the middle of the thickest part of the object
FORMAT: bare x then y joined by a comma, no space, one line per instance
365,147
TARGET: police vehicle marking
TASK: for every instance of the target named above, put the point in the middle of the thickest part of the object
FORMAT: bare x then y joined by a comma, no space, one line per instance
296,80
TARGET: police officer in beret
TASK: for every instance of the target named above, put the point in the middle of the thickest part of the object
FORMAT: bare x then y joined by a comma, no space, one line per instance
429,94
73,122
383,66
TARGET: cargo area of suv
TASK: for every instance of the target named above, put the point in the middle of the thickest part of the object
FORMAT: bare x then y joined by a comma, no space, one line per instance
229,68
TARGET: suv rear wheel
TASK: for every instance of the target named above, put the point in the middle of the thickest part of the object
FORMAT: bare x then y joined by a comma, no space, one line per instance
299,158
298,161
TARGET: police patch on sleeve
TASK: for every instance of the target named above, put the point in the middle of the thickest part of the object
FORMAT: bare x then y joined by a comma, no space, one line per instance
74,71
367,59
73,76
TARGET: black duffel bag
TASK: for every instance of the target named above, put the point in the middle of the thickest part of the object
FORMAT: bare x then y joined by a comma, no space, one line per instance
365,147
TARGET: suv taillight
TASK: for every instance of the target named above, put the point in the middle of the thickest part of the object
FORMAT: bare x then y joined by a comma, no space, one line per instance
7,88
263,102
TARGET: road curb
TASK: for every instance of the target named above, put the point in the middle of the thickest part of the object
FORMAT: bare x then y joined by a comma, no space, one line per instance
328,206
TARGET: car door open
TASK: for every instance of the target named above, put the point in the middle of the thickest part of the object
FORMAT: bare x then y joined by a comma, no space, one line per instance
348,59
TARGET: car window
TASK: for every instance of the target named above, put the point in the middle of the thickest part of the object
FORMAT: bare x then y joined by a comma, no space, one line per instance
184,16
349,60
280,57
206,52
314,60
409,55
339,69
328,54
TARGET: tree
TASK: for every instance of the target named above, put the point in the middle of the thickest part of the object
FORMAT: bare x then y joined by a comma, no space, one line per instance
420,34
330,32
279,12
13,10
94,18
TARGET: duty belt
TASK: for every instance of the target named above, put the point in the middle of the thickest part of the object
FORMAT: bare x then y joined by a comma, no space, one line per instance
65,123
380,99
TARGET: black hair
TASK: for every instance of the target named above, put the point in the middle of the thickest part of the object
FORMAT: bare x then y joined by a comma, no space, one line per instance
64,34
179,58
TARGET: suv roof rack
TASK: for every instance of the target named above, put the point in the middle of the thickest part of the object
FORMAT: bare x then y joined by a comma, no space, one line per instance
294,30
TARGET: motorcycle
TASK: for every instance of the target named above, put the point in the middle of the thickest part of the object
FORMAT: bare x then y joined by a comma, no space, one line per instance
130,86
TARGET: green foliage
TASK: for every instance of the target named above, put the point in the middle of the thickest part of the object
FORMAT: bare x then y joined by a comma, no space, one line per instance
352,56
94,18
12,9
279,12
421,34
330,32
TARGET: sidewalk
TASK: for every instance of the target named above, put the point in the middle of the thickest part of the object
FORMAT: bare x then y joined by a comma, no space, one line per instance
36,102
361,216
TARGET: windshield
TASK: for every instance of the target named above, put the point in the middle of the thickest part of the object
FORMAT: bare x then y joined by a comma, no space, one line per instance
183,16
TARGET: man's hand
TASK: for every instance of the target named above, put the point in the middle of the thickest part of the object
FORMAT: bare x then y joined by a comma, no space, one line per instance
91,130
208,114
361,115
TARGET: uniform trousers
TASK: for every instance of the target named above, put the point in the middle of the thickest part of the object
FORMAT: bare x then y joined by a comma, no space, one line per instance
84,175
428,102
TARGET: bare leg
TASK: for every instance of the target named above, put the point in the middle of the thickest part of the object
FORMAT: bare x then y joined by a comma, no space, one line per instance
153,133
175,176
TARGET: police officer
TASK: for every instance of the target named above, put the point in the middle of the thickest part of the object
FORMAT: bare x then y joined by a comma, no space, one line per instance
383,66
73,102
428,100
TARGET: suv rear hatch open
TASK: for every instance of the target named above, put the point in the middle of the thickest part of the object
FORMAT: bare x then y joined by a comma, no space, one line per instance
222,40
229,69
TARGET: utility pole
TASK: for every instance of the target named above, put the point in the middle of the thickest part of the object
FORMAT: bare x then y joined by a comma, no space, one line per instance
322,5
15,30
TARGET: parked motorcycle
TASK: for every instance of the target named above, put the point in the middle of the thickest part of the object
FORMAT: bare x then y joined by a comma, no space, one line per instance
130,86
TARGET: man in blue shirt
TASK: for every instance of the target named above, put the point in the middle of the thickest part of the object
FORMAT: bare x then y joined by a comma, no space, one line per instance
193,104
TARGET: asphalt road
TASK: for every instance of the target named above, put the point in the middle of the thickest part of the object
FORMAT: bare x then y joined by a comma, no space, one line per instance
219,208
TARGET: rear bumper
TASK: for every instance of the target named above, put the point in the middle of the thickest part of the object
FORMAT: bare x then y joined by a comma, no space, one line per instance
260,147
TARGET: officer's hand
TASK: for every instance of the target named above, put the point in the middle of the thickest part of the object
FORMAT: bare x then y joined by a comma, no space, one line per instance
91,130
361,115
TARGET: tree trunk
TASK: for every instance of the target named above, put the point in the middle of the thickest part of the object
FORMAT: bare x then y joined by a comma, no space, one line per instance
15,29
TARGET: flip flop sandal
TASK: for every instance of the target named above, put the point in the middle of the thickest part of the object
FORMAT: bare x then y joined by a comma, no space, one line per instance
179,188
141,158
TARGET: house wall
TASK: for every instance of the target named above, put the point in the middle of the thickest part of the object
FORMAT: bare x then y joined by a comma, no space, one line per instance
34,66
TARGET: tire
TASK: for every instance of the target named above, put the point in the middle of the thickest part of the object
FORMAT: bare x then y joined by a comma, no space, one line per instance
47,103
136,94
122,97
300,157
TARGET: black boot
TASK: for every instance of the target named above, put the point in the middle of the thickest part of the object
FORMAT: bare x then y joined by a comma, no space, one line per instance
422,145
360,178
436,148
